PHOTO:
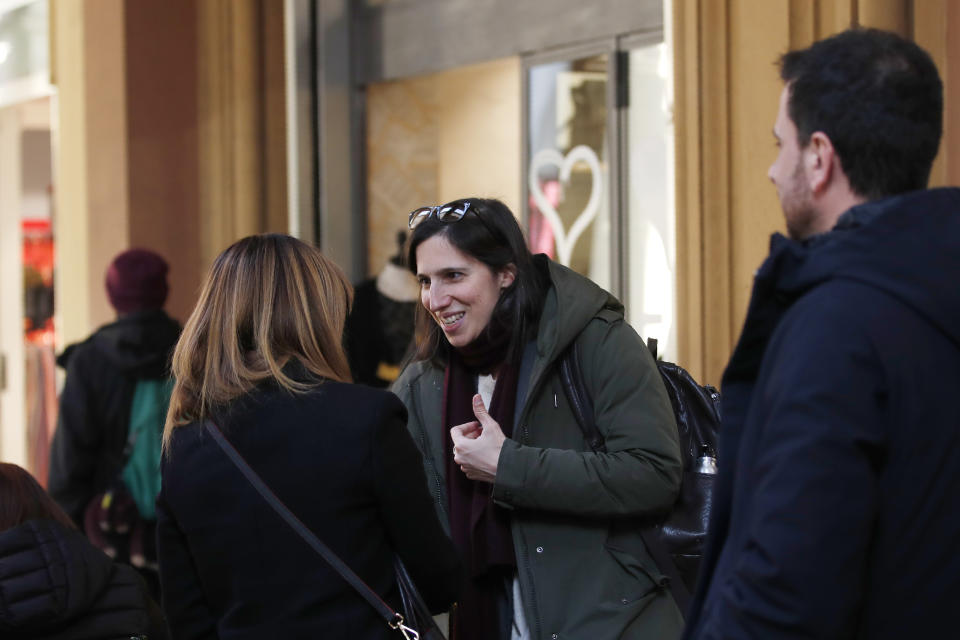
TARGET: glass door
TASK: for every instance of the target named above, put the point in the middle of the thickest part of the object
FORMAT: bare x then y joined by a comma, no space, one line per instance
568,167
599,172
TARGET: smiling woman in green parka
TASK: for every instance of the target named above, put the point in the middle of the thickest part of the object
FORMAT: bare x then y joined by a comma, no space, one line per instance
547,528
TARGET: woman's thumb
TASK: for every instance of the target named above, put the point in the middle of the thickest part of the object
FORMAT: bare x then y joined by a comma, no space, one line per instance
479,409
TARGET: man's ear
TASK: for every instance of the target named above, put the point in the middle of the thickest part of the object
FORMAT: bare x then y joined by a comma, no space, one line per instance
821,162
507,275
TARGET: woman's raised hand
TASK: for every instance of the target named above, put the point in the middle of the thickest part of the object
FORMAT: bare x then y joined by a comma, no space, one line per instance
476,445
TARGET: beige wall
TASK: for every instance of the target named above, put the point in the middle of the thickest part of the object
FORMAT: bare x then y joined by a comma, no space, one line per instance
953,95
161,145
436,138
241,121
402,159
126,152
13,445
727,87
479,127
171,136
90,158
938,21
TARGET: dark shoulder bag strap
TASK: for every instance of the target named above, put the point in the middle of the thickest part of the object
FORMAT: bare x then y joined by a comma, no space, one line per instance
573,385
392,618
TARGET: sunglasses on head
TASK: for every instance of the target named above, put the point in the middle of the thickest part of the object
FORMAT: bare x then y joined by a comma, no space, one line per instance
444,213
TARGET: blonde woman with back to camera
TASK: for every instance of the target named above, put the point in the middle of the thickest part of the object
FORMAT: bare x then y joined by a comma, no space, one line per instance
261,357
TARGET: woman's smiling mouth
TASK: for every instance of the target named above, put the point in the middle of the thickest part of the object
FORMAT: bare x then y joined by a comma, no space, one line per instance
448,321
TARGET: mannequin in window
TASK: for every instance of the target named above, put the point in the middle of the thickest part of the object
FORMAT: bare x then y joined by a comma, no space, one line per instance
380,326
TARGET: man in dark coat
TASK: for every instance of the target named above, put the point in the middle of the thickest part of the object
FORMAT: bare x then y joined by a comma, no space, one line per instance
836,506
87,453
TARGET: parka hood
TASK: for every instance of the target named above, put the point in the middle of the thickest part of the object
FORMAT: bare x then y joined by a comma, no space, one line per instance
49,574
907,246
571,302
140,343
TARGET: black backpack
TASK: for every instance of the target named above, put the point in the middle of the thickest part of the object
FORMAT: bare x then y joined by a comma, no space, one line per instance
676,538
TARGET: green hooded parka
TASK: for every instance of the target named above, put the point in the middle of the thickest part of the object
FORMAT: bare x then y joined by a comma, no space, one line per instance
583,568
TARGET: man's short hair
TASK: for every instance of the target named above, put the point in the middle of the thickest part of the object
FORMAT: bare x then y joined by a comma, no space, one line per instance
879,99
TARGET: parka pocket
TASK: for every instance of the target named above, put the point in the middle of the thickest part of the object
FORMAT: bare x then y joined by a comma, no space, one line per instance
625,544
641,576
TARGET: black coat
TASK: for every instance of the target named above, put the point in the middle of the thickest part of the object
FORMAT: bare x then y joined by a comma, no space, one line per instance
342,460
102,371
54,585
836,508
378,334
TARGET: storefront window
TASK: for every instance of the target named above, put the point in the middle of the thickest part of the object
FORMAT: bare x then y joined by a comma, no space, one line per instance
600,177
24,50
568,168
28,399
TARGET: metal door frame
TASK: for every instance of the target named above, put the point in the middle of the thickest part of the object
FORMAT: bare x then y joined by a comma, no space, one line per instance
617,137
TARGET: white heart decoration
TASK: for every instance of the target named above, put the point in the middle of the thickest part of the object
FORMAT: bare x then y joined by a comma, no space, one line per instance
552,157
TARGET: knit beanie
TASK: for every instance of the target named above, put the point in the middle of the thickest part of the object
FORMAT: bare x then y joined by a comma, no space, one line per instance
137,281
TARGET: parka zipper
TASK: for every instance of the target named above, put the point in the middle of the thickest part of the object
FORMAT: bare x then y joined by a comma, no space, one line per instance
524,421
427,453
533,601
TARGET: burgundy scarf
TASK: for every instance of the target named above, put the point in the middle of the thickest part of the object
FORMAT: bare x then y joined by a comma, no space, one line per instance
480,529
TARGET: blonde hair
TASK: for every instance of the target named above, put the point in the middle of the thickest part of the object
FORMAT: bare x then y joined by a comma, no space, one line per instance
268,300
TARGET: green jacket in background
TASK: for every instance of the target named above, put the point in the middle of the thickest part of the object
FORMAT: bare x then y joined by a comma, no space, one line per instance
582,565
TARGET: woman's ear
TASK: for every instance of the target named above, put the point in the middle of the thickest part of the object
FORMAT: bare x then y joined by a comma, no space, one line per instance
507,275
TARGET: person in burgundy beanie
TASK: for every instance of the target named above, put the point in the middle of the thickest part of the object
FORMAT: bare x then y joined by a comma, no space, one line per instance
89,453
137,281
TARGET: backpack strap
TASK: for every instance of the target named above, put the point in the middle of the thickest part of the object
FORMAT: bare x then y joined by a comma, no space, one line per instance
575,388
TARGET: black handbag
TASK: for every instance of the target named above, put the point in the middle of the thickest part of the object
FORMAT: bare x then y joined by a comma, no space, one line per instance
415,623
675,539
415,610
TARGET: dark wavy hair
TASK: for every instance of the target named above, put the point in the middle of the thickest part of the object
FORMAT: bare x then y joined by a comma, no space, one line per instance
879,99
490,233
22,499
